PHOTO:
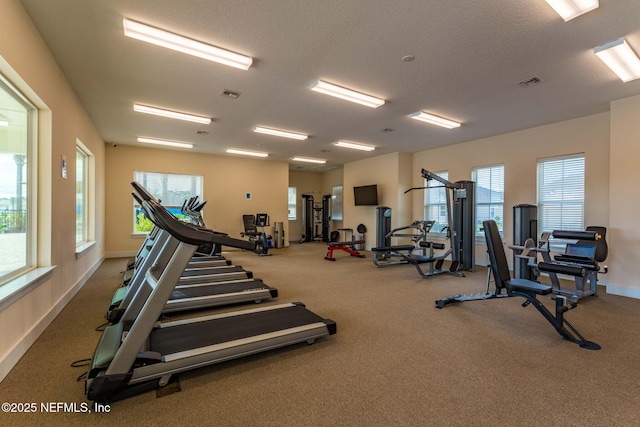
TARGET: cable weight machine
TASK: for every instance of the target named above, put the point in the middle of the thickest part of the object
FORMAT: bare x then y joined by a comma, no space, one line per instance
315,217
461,215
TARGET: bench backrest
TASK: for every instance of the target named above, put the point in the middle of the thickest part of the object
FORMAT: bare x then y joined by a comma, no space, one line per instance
497,257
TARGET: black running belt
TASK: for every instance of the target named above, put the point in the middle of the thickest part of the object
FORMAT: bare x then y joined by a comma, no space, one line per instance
216,289
211,270
200,334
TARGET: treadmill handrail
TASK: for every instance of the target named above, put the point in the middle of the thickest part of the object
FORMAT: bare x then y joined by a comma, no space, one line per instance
187,233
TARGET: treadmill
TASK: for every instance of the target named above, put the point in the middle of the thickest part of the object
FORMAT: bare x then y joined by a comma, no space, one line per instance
138,353
196,288
210,258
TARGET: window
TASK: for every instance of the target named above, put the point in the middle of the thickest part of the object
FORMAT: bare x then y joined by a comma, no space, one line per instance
336,203
84,183
489,196
170,189
292,204
435,203
561,193
17,143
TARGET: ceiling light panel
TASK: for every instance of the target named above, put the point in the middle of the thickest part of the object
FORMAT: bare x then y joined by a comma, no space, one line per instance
354,145
435,120
347,94
569,9
281,133
247,153
622,60
171,114
186,45
164,142
308,160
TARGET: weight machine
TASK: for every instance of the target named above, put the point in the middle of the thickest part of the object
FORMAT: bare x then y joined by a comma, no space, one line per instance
580,260
460,203
315,217
417,232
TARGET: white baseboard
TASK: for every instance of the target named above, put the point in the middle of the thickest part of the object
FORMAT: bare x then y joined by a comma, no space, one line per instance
623,291
18,350
121,254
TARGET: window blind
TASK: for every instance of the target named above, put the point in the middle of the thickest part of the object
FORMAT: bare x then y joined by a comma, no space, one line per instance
561,193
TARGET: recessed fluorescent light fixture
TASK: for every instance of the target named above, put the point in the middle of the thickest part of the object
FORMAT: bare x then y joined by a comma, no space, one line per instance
354,145
307,160
4,123
622,60
186,45
171,114
569,9
164,142
347,94
435,120
246,153
282,133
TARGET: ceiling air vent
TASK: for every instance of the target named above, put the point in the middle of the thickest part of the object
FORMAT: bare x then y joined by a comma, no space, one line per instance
230,94
530,82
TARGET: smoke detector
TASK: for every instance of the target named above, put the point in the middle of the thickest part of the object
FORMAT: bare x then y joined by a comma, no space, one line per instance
230,94
531,81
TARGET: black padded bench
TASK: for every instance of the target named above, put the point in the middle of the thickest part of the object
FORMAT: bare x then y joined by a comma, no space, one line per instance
524,288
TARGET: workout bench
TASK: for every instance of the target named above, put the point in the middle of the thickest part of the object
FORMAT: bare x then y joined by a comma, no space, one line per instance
527,289
348,247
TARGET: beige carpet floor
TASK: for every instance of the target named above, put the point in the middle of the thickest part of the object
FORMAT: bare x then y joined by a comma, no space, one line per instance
396,360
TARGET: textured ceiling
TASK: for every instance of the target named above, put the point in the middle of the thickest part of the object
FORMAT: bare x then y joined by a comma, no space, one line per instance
469,57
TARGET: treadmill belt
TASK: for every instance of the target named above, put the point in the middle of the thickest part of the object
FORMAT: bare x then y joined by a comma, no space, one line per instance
211,270
195,335
216,289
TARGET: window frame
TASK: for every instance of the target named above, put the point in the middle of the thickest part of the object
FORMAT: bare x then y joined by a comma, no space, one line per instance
292,213
563,201
479,233
136,208
29,178
336,203
88,192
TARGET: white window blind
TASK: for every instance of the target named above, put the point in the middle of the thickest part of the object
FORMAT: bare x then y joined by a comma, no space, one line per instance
489,196
561,193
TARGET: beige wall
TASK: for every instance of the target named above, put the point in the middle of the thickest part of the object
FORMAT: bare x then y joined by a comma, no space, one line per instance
624,198
389,177
26,61
226,182
331,179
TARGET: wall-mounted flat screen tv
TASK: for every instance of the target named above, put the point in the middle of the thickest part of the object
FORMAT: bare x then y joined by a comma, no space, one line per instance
366,195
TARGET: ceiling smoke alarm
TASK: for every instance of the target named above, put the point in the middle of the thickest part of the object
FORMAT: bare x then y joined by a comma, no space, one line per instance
230,94
530,82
